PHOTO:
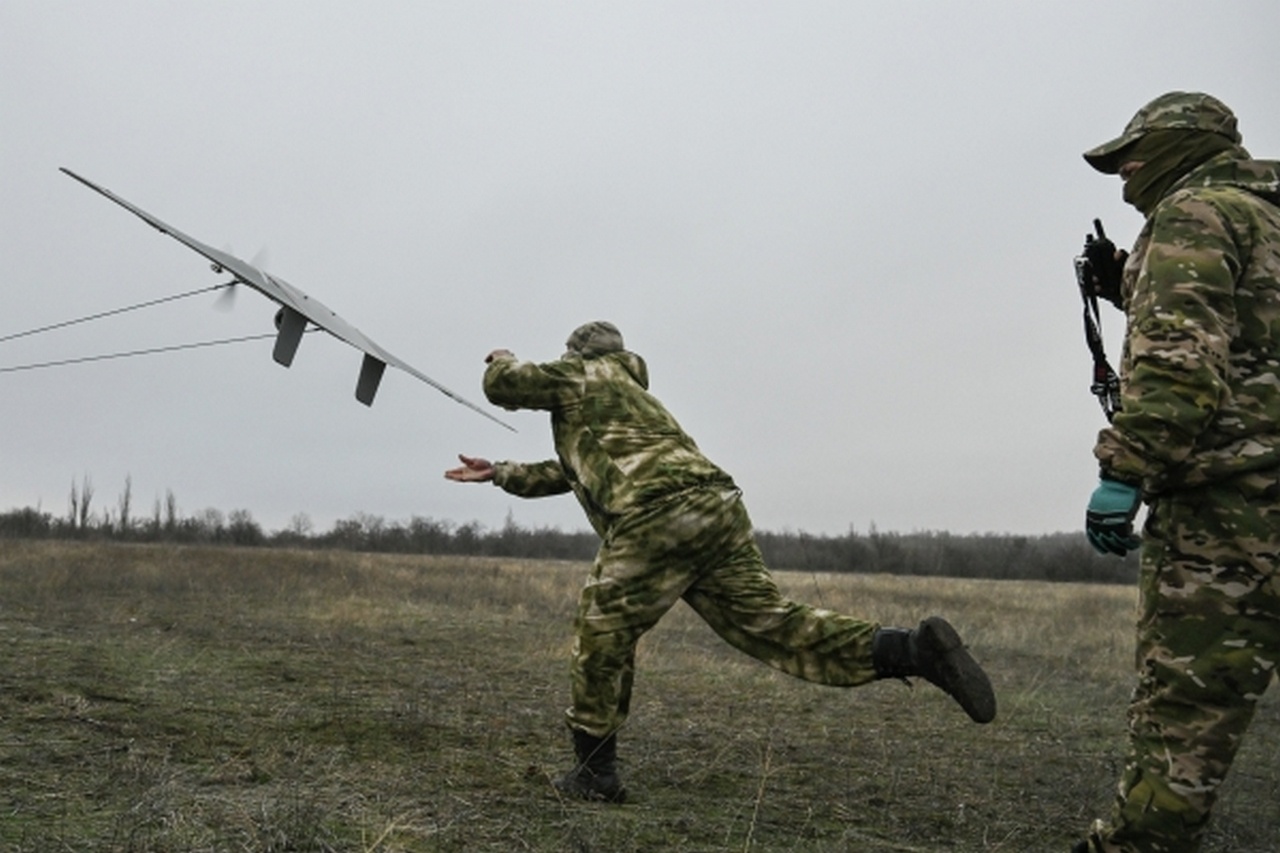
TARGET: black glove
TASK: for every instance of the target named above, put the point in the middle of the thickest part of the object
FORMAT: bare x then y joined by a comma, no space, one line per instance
1106,265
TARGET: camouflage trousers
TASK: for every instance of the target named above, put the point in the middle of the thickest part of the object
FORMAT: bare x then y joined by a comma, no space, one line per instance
698,547
1208,643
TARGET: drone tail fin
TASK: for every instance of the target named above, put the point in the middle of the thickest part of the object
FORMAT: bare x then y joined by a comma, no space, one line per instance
291,325
371,370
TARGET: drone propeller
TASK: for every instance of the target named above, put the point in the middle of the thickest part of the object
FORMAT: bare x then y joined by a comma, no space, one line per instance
227,299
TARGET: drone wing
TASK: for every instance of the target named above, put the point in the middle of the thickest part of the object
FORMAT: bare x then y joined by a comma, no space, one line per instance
296,310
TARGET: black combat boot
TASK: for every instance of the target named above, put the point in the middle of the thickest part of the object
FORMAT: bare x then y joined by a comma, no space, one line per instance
935,652
1080,847
595,777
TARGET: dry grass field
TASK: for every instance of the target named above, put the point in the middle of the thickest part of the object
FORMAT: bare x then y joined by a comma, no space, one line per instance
157,698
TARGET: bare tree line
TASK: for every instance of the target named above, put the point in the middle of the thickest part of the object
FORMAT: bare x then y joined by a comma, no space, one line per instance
1053,557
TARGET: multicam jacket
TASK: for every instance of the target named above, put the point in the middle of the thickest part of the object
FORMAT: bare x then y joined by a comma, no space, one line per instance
1200,373
618,448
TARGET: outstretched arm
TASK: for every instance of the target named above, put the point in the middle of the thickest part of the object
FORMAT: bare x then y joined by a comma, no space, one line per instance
472,470
527,480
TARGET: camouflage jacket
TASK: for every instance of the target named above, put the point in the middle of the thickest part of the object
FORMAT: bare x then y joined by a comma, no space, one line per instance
618,447
1200,373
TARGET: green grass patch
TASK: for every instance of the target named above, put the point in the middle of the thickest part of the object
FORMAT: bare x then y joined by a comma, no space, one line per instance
160,698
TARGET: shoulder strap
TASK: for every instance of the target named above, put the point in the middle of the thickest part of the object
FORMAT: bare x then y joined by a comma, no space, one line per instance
1106,384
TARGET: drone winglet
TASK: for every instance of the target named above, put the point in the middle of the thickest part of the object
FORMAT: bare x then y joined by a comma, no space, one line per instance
292,327
371,370
296,311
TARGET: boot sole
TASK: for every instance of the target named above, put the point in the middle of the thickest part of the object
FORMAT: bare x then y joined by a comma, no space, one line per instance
962,677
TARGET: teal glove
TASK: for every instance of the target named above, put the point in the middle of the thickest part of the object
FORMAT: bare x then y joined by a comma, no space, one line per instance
1108,522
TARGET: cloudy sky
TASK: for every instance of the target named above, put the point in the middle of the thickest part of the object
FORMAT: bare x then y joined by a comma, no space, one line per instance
840,233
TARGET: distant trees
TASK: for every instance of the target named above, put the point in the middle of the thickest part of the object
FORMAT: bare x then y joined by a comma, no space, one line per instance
421,535
164,524
1051,557
78,512
25,523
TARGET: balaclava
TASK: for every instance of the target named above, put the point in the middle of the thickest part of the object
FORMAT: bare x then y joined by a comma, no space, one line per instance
1167,155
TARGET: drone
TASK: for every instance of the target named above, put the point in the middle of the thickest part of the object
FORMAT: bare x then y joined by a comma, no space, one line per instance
297,310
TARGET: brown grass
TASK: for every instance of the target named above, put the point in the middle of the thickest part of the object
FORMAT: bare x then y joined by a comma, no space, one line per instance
158,698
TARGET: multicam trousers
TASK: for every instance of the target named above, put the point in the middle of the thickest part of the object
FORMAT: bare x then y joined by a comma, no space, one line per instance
1208,643
698,546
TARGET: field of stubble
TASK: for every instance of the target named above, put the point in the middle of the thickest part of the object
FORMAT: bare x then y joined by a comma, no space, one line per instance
157,698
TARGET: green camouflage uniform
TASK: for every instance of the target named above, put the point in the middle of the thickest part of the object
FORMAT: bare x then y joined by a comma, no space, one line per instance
1199,428
672,525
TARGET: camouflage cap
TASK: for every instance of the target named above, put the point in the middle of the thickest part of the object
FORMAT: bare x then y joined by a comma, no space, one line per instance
595,338
1170,111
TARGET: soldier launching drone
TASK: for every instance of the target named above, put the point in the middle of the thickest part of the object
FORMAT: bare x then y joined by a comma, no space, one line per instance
673,526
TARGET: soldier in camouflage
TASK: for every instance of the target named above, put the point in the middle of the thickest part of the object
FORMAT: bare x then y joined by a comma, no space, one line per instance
1197,438
673,526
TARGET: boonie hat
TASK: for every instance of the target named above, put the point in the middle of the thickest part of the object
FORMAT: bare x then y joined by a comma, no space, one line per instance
1170,111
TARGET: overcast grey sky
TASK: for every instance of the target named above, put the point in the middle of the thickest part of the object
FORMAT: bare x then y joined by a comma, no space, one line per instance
840,233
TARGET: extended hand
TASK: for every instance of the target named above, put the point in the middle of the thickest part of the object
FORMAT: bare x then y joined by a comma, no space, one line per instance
1108,522
473,470
499,353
